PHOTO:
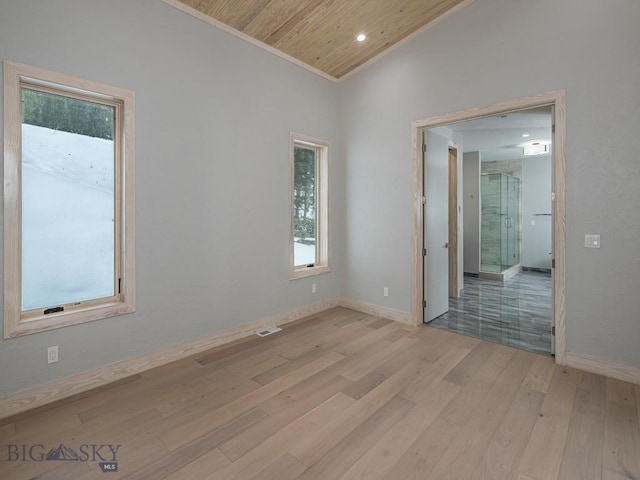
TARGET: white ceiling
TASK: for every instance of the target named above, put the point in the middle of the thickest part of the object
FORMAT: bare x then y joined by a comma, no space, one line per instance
500,137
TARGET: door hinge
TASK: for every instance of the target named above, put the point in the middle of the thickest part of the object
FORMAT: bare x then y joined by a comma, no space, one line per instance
553,331
553,129
120,285
553,263
424,252
424,147
424,304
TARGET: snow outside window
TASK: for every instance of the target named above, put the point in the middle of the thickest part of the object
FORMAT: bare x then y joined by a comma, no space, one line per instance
69,165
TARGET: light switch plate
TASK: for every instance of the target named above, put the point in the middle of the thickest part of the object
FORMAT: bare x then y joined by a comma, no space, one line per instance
592,241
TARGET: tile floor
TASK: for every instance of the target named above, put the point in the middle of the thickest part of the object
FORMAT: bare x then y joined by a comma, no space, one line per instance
516,312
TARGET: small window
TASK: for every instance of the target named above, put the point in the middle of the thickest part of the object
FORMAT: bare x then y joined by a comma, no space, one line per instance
309,206
68,201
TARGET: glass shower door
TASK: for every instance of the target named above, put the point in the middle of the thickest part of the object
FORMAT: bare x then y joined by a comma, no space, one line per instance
500,222
514,214
504,222
491,224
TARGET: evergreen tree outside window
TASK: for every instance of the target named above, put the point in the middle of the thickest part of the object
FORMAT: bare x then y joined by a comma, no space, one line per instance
68,201
304,206
309,206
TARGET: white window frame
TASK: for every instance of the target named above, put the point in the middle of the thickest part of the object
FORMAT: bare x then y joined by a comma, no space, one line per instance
17,322
322,206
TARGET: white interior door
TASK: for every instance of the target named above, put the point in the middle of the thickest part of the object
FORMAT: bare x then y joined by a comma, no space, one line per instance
436,225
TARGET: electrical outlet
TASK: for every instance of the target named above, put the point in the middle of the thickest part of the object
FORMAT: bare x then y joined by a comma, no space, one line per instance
52,354
386,291
313,288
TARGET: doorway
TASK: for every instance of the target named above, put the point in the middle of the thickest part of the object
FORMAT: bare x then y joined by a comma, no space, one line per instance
424,278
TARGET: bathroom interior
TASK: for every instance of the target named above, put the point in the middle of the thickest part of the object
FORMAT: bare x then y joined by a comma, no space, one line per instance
508,224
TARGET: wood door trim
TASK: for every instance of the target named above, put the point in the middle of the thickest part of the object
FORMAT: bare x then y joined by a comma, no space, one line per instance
554,98
453,222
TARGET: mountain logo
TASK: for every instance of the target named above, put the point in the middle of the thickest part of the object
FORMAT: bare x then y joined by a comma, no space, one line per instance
62,452
103,453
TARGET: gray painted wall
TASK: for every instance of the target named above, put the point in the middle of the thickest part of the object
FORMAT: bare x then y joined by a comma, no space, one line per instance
201,97
536,199
471,206
594,57
213,121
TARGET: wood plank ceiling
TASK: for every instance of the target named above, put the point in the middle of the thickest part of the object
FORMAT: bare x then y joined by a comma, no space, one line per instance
322,33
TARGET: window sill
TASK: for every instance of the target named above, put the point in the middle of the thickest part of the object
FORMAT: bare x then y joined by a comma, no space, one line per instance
42,323
308,272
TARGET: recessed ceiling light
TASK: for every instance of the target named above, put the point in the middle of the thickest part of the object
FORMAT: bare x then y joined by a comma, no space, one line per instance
525,135
361,38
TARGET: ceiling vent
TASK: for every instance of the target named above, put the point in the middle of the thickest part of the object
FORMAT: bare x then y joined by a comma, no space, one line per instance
535,148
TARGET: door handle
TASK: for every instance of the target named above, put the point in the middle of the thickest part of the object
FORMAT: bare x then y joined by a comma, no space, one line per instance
446,245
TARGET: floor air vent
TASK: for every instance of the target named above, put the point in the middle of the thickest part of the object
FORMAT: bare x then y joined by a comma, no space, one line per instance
270,331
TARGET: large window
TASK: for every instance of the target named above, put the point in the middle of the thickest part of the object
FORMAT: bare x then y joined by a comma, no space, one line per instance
309,206
68,201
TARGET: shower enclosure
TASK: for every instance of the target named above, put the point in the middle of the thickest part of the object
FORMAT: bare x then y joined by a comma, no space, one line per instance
500,225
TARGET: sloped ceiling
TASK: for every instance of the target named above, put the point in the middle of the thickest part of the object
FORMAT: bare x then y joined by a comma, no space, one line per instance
322,33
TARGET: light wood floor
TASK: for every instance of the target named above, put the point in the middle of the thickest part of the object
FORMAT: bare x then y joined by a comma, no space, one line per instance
344,395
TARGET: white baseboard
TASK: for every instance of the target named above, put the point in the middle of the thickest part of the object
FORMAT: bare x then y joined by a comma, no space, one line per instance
378,311
603,367
20,402
35,397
